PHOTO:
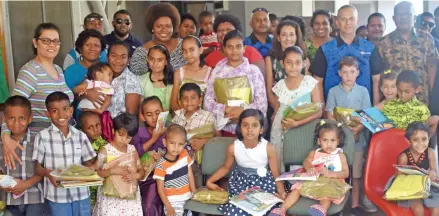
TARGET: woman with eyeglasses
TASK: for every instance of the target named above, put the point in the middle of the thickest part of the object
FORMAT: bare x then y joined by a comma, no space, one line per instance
89,45
161,20
36,80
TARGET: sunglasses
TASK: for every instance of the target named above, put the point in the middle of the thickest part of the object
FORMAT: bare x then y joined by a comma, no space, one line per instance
120,21
259,9
428,24
47,41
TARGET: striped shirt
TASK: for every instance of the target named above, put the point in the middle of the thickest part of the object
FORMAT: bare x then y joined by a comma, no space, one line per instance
55,151
210,40
175,176
198,119
35,84
34,194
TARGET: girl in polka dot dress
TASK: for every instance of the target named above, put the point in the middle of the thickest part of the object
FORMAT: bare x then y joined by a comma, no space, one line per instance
256,161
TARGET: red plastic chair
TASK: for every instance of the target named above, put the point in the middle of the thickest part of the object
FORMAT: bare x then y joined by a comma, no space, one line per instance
384,149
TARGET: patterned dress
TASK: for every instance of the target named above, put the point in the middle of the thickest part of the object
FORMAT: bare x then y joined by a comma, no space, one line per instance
286,97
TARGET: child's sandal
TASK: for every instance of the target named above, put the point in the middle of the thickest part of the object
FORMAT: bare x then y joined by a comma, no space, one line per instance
276,212
316,210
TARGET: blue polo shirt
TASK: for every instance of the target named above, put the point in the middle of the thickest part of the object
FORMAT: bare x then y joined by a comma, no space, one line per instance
131,41
264,49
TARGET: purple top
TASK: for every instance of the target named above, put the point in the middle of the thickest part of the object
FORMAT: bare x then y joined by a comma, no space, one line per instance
255,78
142,136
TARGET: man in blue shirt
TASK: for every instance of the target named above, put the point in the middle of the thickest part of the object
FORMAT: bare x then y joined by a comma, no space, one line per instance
325,65
259,38
122,24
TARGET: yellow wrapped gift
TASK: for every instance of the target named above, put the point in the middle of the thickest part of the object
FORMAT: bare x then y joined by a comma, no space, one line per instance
302,111
344,115
324,187
206,131
409,187
204,195
234,88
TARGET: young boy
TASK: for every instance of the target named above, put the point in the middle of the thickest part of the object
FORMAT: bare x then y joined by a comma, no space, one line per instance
18,116
407,108
348,94
173,173
192,117
58,147
90,123
208,36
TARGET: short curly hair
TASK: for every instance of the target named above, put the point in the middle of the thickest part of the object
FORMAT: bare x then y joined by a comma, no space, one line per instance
162,10
85,35
227,18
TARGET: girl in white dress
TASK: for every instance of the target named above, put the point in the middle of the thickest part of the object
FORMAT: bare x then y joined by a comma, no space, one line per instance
125,127
295,86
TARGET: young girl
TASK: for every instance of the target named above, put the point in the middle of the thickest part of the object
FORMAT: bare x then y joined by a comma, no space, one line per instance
252,154
329,138
194,71
388,88
150,140
287,34
158,80
288,90
99,76
420,155
125,126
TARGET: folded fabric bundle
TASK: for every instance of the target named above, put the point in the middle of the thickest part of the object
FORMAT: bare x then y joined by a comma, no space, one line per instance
75,172
204,195
344,115
408,187
324,187
234,88
301,112
206,131
114,185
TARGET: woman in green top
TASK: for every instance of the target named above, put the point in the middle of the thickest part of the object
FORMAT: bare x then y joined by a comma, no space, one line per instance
321,23
287,34
159,79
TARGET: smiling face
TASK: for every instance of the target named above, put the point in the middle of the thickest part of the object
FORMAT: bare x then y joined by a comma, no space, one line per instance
191,101
187,27
163,29
293,64
251,129
389,89
419,141
375,28
60,113
191,50
222,30
321,27
287,36
91,49
347,20
260,22
118,59
156,60
51,50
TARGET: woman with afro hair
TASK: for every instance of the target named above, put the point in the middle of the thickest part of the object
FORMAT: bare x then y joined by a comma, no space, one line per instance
162,20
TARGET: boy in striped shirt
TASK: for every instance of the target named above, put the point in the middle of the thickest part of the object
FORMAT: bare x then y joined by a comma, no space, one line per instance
175,180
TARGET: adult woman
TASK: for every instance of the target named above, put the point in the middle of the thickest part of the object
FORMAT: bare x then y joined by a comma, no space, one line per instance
287,34
89,44
127,92
235,66
321,23
36,80
188,26
161,20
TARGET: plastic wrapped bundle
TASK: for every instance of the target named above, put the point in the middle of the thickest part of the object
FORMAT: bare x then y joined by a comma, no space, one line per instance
325,188
206,131
76,172
344,115
114,185
408,187
234,88
204,195
301,112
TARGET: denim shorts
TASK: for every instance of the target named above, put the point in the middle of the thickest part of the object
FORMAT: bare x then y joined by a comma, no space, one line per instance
27,209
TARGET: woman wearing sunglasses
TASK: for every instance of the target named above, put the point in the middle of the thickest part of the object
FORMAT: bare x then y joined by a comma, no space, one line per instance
122,25
36,80
162,20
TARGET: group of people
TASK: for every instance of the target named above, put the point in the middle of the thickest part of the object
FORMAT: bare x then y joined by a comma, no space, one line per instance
107,101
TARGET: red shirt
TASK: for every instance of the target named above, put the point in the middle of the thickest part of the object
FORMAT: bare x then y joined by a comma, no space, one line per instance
250,53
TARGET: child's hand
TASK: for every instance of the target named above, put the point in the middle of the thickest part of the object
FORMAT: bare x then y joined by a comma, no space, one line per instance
432,175
119,170
155,155
170,211
197,144
312,171
159,132
130,177
289,123
213,186
52,180
20,187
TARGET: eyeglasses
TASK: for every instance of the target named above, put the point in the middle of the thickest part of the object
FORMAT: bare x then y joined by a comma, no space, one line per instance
427,24
120,21
47,41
